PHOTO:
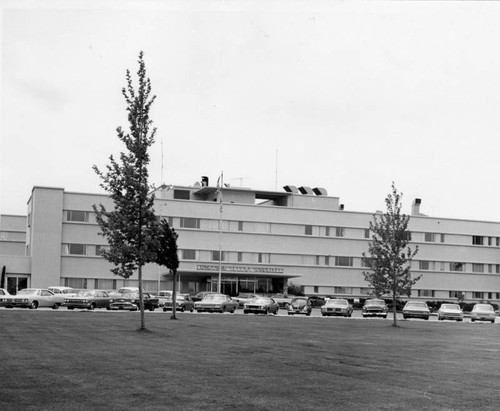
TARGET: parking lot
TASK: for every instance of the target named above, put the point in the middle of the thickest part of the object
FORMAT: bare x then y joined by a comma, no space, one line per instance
315,313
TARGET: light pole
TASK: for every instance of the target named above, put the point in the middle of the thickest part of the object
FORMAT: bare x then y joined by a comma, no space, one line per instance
220,185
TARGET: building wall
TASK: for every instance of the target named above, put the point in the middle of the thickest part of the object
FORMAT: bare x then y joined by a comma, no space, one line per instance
320,249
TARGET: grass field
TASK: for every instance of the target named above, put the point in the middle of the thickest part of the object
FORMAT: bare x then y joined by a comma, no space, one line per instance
61,360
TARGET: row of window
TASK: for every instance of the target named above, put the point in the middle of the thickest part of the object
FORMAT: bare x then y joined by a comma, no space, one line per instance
295,259
276,228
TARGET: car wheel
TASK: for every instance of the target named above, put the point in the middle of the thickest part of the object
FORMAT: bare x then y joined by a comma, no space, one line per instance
164,309
267,311
290,313
34,305
71,308
472,320
55,306
92,307
426,318
182,309
493,321
308,314
385,316
404,317
191,310
245,312
152,308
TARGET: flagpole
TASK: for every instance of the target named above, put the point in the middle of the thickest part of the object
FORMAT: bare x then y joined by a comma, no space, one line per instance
221,184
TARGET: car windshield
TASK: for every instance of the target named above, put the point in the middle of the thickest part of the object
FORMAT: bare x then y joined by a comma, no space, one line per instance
338,303
416,305
27,291
450,307
214,297
374,302
483,307
261,300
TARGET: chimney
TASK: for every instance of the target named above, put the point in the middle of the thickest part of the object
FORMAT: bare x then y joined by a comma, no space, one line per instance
415,208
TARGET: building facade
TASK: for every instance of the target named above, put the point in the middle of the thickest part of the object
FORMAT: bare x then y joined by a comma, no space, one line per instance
255,241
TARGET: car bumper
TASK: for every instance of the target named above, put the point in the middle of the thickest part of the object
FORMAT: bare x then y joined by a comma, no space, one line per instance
129,307
424,316
374,313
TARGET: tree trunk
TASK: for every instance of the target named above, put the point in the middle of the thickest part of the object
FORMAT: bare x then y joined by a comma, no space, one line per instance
141,301
174,297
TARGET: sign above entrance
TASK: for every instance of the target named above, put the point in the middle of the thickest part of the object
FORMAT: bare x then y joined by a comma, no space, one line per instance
241,269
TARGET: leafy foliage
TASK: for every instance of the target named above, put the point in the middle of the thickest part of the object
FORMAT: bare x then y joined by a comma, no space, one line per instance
389,253
132,226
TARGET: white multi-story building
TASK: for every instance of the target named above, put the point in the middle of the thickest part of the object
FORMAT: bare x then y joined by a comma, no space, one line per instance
256,241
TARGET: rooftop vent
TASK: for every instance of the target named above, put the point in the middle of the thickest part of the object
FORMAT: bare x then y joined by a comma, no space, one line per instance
204,181
305,190
291,189
341,207
319,191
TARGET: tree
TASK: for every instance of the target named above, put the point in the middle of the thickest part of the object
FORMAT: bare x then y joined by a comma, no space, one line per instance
166,254
389,254
131,228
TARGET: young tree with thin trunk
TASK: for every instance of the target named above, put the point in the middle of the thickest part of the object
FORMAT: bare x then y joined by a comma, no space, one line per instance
131,227
389,255
166,255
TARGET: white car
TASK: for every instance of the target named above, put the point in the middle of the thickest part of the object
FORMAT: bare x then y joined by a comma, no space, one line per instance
35,297
483,312
4,296
450,312
64,291
416,309
163,296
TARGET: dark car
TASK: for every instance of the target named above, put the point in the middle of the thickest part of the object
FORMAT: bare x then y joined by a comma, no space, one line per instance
416,309
131,302
375,308
183,302
261,305
88,299
299,305
317,301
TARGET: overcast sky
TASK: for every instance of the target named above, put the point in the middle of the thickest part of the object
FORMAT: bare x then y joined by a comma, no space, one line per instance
348,96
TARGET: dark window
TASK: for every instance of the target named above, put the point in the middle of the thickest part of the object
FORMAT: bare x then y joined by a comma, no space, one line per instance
477,240
76,249
190,222
429,237
181,194
456,266
343,261
424,265
308,230
189,254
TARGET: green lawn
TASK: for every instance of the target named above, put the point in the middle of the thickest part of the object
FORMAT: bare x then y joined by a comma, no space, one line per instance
61,360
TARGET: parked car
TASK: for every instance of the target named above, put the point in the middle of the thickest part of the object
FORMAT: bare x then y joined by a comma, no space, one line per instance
4,296
374,307
201,295
299,305
283,300
483,312
64,291
338,306
450,312
262,305
183,302
317,301
216,303
123,290
35,297
88,299
244,298
163,295
416,309
131,302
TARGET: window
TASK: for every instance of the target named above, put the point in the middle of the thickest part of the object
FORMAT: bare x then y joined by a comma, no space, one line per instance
316,289
327,260
240,225
477,294
366,262
477,240
367,233
477,268
327,231
442,238
457,294
308,230
190,222
430,237
189,254
342,290
263,258
456,266
498,241
339,231
79,216
317,260
216,256
181,194
343,261
426,293
240,256
423,265
490,241
497,268
77,249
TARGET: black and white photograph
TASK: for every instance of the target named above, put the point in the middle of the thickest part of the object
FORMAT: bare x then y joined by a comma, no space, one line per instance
249,205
